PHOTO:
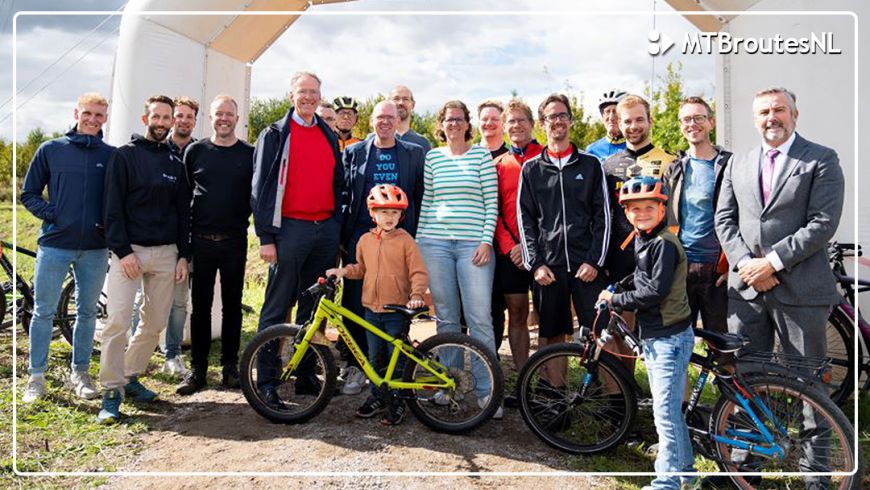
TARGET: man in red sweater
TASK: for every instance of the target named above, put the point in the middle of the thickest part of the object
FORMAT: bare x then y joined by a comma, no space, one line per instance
296,200
511,277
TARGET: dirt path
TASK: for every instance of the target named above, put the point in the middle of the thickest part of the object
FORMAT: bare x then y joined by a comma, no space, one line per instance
216,430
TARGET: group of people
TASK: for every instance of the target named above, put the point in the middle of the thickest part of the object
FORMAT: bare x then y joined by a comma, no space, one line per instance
481,226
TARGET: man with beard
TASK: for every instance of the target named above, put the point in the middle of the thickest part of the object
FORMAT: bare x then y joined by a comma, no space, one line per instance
346,110
404,100
694,181
219,170
147,216
381,159
639,159
612,141
564,226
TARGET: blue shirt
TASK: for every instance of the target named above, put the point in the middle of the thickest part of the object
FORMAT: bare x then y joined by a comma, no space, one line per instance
381,168
696,212
603,148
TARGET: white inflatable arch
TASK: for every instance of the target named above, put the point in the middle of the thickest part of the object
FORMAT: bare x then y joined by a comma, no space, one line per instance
197,56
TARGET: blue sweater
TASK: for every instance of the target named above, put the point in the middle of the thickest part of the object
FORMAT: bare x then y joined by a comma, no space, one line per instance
74,169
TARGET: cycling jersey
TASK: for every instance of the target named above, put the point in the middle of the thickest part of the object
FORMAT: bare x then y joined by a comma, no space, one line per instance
606,146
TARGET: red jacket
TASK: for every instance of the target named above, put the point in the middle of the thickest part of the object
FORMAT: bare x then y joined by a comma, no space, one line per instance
508,167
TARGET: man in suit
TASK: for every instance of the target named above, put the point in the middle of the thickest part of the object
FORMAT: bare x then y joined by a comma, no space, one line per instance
382,158
778,207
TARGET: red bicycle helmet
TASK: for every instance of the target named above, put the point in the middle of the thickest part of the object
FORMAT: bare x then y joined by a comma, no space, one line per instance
387,196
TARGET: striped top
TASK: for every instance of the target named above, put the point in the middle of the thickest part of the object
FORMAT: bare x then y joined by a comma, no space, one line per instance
460,196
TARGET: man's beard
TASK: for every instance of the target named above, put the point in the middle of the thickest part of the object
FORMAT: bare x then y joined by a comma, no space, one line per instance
183,132
152,133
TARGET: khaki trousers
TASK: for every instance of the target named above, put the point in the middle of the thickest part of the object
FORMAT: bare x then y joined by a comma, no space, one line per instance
157,279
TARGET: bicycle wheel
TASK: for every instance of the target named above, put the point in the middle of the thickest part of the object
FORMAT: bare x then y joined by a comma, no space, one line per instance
841,349
567,420
479,384
818,437
301,396
65,315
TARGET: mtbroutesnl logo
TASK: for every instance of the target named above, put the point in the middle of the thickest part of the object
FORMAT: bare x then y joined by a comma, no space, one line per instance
726,43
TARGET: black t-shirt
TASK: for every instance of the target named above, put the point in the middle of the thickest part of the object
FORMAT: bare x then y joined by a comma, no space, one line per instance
221,181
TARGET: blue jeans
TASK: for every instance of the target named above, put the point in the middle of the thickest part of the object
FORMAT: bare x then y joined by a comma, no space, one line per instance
667,364
52,265
391,323
455,282
177,319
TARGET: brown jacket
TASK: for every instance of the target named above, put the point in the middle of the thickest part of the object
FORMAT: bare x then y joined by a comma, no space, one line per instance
391,267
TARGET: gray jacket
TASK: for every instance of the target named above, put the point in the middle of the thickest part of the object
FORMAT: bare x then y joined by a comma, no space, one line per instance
798,221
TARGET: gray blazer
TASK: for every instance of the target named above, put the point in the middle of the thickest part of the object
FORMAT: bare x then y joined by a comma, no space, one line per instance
801,217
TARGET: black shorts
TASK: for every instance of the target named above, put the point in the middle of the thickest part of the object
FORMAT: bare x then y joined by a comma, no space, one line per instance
553,303
510,279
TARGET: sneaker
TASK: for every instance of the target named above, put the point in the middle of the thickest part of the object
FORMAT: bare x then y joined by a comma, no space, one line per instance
395,415
354,381
499,413
137,392
193,382
82,385
370,408
270,397
175,367
230,376
110,412
35,388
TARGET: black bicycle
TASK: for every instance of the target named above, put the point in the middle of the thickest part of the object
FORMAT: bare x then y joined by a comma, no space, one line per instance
843,323
19,292
771,416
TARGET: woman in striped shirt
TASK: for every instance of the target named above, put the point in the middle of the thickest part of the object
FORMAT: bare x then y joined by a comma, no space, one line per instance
456,228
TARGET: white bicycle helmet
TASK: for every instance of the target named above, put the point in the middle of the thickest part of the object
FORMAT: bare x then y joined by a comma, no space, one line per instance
611,97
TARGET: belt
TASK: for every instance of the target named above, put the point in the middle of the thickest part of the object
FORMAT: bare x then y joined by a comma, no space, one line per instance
213,237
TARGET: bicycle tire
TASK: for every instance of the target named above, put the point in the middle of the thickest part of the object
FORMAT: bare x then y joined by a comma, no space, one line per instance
65,315
291,407
839,331
462,413
3,324
787,399
591,425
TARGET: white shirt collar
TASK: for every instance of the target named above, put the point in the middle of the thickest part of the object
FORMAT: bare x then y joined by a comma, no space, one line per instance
296,117
783,148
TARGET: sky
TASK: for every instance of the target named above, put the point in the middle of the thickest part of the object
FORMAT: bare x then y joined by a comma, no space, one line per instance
469,57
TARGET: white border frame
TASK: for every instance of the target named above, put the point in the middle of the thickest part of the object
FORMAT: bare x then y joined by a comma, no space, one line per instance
391,14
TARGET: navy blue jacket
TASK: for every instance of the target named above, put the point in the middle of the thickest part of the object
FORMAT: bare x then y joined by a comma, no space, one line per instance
267,192
74,169
410,157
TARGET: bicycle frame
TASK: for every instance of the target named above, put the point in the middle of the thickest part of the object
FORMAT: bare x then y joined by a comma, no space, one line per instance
329,311
762,442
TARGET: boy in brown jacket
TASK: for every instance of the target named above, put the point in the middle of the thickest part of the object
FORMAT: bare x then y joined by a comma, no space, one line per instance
393,272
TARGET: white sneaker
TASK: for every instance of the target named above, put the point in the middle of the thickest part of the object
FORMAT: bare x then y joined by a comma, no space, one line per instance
499,413
82,385
175,367
35,388
354,381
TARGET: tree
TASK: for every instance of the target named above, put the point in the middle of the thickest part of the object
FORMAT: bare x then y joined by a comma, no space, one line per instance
582,130
264,112
665,106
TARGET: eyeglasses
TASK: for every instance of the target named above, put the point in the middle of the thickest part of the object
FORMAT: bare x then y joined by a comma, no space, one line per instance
516,122
385,118
697,119
401,99
562,116
454,120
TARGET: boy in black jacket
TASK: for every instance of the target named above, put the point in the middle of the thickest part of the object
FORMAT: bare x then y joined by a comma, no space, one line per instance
663,319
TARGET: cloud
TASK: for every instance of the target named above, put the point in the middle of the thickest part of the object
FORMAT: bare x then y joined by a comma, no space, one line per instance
483,54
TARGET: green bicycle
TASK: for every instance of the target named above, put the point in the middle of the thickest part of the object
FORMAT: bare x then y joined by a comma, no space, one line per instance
451,382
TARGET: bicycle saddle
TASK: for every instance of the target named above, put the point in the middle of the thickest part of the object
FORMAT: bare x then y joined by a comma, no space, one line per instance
722,342
408,313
